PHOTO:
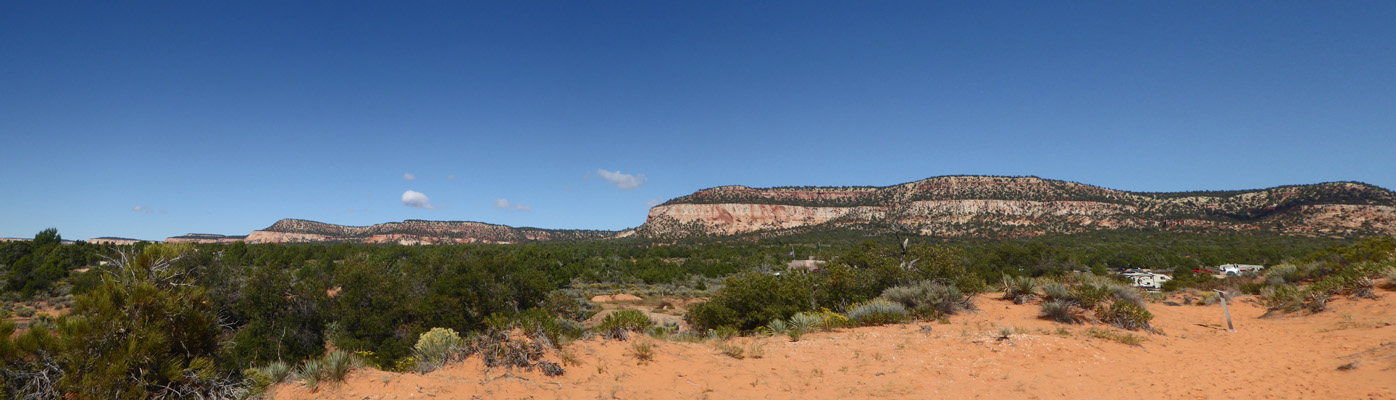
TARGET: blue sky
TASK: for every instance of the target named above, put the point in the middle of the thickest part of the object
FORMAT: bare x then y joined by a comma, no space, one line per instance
166,118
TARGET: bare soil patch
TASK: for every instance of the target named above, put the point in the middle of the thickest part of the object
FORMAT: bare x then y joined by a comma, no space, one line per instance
1344,353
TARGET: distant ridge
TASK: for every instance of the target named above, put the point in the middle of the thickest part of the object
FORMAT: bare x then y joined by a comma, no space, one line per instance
414,232
998,206
945,206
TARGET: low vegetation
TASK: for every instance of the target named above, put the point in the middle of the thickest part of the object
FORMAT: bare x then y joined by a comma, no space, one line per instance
229,320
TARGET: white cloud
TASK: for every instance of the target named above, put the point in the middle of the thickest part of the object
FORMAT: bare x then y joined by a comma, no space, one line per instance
623,181
654,202
409,177
144,209
505,204
412,198
137,208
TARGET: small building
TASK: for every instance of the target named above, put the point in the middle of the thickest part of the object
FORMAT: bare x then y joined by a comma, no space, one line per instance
810,264
1147,280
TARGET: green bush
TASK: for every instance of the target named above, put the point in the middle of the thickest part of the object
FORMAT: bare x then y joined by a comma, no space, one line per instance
435,347
1125,314
1088,295
146,331
877,312
619,324
750,300
1284,298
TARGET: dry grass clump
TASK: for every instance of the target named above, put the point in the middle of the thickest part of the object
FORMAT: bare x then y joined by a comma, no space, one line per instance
1118,337
643,351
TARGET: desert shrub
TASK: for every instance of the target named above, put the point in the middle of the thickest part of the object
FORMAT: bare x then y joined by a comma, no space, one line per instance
498,349
616,325
1055,291
929,299
660,332
829,320
146,331
1281,274
724,332
1126,294
1089,295
1208,298
749,300
1020,289
1004,332
1060,311
25,312
1390,275
435,347
558,331
643,351
1125,314
731,350
1284,298
877,312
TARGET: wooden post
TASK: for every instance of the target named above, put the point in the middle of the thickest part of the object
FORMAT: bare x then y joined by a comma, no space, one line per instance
1222,295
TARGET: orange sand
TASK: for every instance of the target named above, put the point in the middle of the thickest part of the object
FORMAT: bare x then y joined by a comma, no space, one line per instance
1283,357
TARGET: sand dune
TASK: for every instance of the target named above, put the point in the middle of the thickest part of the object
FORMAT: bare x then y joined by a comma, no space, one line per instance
1347,352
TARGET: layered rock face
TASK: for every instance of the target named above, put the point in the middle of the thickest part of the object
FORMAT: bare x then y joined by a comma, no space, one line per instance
412,232
1024,206
204,238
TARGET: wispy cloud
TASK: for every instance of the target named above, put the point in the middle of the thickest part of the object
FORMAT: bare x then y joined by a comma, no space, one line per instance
654,202
622,181
505,204
450,177
415,199
143,209
409,177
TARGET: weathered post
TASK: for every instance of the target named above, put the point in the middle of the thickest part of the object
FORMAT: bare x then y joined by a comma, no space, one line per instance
1222,296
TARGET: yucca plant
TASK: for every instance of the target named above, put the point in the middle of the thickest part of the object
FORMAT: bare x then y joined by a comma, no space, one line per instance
311,372
338,364
1020,289
877,312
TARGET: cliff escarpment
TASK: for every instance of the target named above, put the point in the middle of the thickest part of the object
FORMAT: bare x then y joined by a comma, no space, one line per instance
413,232
981,206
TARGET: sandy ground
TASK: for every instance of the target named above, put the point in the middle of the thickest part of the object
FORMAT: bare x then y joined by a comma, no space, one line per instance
1347,352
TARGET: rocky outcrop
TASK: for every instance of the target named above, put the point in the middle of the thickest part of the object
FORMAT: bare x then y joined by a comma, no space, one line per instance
955,206
114,241
413,232
204,238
